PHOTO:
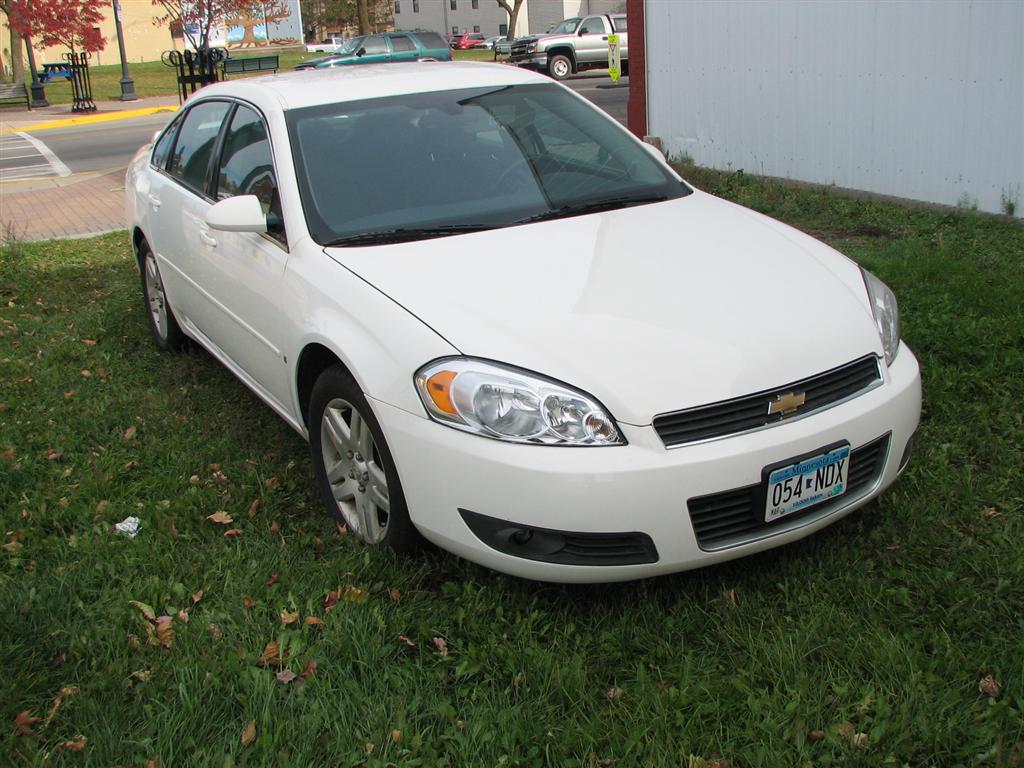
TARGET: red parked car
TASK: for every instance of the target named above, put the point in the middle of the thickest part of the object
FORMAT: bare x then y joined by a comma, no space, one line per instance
469,40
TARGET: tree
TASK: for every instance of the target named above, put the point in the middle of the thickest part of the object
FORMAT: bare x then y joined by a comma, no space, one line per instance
11,9
513,15
262,13
199,17
71,23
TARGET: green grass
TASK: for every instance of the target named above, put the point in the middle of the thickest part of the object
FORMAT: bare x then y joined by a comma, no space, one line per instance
882,624
152,78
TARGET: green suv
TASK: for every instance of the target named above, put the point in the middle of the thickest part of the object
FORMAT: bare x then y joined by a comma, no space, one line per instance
386,47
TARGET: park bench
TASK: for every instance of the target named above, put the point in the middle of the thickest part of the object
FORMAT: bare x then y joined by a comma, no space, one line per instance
16,91
251,64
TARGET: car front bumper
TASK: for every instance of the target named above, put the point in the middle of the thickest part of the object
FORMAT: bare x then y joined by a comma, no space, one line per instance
449,476
531,61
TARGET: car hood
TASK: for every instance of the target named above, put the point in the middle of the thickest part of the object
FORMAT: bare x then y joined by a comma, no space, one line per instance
650,309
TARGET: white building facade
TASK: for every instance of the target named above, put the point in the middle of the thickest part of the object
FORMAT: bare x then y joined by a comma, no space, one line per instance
918,99
489,18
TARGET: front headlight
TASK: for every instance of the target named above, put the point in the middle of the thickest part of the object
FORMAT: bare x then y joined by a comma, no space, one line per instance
508,404
531,47
886,313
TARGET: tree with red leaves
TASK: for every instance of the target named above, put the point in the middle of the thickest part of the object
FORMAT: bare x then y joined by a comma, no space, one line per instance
198,18
71,23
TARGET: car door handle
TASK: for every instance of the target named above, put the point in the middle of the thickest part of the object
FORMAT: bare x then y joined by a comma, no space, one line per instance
205,237
605,37
154,201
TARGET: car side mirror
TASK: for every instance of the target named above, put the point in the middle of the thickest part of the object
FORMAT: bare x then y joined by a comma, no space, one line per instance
361,52
237,214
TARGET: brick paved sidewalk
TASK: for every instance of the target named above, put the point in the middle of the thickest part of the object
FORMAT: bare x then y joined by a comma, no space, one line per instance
52,210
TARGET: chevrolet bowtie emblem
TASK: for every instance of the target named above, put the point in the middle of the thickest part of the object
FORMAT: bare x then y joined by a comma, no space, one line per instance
787,403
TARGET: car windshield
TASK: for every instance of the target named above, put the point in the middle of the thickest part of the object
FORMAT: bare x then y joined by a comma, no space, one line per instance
432,164
566,27
351,45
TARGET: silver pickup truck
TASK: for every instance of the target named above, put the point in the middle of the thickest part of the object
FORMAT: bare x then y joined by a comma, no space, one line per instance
572,45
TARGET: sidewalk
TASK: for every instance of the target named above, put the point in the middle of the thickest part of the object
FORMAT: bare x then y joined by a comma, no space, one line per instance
78,205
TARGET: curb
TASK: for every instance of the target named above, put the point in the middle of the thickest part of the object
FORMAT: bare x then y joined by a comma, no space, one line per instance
86,119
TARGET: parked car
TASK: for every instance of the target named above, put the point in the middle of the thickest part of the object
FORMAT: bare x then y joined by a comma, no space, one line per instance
384,48
507,325
333,44
502,47
572,46
469,40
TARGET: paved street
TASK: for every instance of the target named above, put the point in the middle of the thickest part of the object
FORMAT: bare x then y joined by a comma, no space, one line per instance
68,181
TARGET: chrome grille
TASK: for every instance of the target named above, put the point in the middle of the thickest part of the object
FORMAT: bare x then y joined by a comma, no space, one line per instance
741,414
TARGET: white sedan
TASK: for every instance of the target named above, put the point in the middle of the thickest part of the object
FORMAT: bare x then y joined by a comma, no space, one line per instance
506,325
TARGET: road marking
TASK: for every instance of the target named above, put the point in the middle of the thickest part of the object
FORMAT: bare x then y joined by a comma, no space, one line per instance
85,120
27,169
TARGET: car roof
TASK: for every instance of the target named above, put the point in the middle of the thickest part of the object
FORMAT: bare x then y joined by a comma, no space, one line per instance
312,87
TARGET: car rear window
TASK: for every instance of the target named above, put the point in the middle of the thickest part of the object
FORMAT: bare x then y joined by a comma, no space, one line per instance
431,40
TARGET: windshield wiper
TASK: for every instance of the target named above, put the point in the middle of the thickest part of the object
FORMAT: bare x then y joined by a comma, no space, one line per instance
405,234
593,206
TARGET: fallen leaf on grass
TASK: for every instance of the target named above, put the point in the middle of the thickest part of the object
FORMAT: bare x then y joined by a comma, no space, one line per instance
274,528
289,617
197,596
272,578
152,764
249,733
146,610
58,700
254,507
285,676
55,456
233,533
988,686
272,483
730,597
396,736
141,675
101,507
220,517
332,599
8,454
25,721
395,595
219,478
309,669
352,594
215,632
85,373
311,620
816,735
129,434
859,740
75,745
989,512
271,655
165,631
440,645
614,694
247,601
183,616
341,529
406,641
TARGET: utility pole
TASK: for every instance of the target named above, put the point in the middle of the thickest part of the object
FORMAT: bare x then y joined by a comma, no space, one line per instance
36,88
127,84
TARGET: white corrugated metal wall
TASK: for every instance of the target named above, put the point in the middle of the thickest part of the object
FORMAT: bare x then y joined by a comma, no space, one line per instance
921,99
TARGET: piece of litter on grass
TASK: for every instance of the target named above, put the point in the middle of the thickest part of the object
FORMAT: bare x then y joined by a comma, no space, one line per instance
129,526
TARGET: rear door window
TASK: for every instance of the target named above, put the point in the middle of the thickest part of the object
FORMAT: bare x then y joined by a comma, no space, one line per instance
374,44
401,43
593,26
190,161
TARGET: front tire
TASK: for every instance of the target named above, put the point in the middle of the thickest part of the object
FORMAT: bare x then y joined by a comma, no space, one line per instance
559,66
166,332
354,470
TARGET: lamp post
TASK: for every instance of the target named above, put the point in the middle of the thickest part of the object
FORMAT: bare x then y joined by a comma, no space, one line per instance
127,84
36,88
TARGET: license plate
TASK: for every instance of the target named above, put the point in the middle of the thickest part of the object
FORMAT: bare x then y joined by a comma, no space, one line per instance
810,481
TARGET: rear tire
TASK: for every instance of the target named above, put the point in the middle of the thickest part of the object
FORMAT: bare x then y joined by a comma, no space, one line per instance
354,470
164,325
559,66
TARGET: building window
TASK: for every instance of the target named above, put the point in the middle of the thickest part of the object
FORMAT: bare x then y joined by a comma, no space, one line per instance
476,27
415,6
398,7
476,6
503,30
455,30
454,4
